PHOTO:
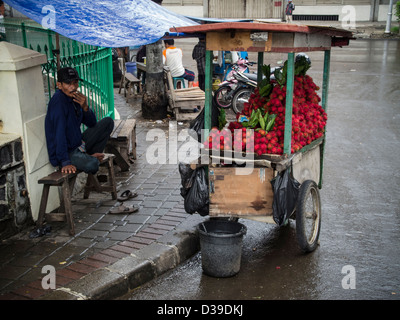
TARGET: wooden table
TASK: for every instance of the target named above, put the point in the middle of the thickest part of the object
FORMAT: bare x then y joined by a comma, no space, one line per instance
142,67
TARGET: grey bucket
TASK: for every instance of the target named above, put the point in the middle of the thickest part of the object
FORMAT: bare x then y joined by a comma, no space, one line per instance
221,244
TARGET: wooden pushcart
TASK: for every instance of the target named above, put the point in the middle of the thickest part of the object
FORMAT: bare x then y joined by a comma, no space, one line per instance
234,193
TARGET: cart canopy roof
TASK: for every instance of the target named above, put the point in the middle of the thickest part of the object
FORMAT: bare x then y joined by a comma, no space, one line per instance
265,26
108,23
260,36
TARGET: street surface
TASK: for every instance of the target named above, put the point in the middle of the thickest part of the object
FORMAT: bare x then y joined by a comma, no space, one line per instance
359,252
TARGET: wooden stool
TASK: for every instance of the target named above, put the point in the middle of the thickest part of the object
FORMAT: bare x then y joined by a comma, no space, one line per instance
92,184
67,181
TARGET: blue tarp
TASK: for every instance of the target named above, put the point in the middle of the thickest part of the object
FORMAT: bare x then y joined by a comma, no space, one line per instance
107,23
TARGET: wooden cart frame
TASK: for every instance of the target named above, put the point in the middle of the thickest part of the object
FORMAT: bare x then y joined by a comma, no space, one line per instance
229,194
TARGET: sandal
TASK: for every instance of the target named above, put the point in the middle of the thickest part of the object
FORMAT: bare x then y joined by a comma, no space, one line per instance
123,209
126,195
39,232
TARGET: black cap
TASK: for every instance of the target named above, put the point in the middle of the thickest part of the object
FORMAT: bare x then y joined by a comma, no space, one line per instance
67,75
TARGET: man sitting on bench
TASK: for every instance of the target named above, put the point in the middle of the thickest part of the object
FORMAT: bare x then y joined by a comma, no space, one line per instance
68,109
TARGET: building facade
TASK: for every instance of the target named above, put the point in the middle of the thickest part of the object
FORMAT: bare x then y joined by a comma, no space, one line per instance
320,10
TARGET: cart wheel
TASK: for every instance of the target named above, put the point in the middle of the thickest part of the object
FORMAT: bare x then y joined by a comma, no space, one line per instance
308,216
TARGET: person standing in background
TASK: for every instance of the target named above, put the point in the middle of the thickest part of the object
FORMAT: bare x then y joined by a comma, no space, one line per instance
199,54
289,11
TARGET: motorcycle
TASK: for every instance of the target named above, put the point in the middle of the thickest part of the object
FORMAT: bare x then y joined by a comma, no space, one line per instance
239,85
247,84
237,79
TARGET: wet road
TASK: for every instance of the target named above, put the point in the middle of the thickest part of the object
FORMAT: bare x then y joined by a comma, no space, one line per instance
360,201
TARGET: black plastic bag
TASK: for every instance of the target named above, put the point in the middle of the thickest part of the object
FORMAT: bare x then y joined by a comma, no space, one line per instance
194,189
286,191
198,123
187,175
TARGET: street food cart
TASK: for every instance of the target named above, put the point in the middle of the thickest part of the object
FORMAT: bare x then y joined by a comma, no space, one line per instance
234,193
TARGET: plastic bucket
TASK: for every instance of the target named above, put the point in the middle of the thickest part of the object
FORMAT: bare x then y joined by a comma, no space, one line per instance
221,243
131,68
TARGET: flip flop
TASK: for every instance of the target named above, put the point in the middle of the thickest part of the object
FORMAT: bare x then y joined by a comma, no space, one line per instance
39,232
123,209
126,195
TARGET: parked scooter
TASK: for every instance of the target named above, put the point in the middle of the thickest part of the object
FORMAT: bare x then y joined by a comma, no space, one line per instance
247,84
242,95
238,78
238,87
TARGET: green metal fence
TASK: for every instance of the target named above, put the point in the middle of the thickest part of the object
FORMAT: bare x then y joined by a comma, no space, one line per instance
94,64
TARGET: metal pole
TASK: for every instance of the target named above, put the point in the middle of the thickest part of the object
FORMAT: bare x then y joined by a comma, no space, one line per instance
110,84
207,103
325,77
324,104
287,143
260,63
208,90
24,40
58,50
389,17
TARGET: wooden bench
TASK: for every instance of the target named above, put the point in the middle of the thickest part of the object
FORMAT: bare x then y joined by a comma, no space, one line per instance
183,102
122,142
67,181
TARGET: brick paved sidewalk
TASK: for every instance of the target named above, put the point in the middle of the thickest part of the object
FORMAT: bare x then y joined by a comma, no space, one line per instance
101,239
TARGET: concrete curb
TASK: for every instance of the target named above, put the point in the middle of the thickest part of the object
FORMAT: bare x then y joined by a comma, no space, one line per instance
135,269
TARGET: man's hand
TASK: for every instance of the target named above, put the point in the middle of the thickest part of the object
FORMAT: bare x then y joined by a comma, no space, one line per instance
99,156
82,100
68,169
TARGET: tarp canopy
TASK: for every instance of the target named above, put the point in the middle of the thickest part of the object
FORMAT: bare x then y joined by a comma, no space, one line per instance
107,23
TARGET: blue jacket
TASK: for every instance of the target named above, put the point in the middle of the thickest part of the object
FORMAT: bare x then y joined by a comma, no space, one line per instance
63,127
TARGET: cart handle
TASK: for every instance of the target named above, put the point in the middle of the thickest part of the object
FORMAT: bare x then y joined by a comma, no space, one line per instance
261,162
